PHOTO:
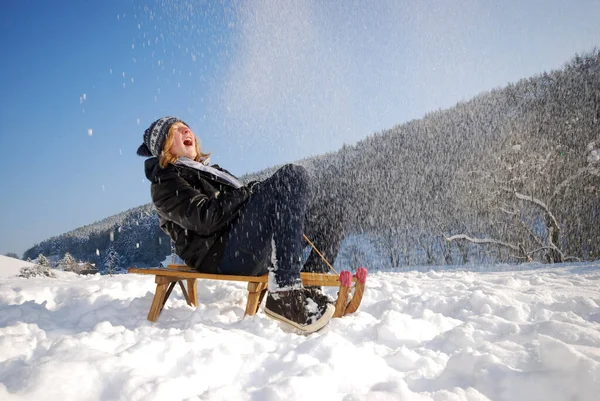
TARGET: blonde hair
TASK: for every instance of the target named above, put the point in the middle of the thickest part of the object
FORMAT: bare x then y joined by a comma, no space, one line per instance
166,157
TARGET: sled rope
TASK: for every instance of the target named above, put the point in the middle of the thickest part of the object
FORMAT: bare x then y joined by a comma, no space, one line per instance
320,254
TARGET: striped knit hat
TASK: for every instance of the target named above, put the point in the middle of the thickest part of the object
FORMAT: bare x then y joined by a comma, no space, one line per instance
155,136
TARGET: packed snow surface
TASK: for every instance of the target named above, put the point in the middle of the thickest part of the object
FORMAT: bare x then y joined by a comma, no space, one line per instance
528,334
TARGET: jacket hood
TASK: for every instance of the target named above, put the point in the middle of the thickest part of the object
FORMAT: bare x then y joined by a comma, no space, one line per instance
151,168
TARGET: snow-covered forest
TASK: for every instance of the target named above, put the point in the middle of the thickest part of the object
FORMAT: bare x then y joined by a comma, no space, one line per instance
511,175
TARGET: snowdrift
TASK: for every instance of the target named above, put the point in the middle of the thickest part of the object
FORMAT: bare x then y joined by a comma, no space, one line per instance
437,335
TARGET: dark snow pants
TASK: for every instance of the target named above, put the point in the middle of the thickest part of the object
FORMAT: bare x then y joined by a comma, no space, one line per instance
268,234
325,228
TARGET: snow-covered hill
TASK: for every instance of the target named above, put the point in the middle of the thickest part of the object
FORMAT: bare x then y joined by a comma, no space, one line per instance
10,267
438,335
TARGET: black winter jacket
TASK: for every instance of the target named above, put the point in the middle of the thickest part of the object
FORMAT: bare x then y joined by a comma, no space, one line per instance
195,209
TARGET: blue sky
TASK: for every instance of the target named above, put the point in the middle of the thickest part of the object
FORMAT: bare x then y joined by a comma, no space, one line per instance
260,82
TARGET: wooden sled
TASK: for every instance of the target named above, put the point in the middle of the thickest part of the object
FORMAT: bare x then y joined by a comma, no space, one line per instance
167,278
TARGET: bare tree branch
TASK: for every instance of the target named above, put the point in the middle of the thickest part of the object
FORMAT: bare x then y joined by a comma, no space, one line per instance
552,223
551,241
535,237
568,180
540,204
507,211
481,241
543,248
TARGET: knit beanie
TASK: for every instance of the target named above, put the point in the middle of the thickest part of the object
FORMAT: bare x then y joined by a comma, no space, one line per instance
156,135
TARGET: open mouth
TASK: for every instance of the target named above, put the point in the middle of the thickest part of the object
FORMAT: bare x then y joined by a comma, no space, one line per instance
188,142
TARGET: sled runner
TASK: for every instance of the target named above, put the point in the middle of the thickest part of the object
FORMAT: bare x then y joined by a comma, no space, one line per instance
167,278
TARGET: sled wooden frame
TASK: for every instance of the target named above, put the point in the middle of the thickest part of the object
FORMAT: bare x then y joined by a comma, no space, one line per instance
167,278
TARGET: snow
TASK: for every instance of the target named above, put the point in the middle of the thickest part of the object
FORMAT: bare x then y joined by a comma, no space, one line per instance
11,267
532,333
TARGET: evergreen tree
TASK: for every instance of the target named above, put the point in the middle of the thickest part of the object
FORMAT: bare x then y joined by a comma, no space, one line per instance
112,260
68,263
42,261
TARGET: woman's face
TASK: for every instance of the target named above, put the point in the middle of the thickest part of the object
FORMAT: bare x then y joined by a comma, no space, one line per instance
184,141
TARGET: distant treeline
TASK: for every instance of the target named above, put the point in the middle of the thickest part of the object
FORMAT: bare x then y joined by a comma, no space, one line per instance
509,176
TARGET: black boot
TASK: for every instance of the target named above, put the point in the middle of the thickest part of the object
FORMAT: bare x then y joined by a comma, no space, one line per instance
293,307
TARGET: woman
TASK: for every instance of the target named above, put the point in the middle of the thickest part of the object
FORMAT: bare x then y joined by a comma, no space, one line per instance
221,226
